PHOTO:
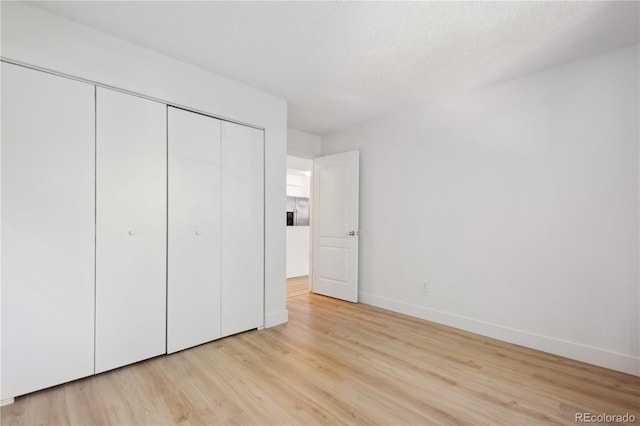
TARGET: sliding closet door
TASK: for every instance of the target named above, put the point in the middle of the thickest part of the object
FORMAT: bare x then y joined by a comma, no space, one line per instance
193,272
47,230
242,228
131,229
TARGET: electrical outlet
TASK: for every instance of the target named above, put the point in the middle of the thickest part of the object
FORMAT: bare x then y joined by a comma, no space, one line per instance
425,287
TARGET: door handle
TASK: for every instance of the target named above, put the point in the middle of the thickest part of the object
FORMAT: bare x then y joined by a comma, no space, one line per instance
352,233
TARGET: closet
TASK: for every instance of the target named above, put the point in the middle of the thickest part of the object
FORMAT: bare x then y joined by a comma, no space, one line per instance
48,193
131,226
130,229
216,229
242,228
193,273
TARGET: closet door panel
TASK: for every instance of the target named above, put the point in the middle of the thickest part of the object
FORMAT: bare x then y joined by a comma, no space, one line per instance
47,230
242,228
131,229
193,272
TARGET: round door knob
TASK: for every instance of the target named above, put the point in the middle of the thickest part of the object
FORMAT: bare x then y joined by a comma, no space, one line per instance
131,233
197,232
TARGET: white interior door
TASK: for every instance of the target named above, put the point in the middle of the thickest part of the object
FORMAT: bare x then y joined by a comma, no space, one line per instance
47,230
335,226
242,300
194,231
131,212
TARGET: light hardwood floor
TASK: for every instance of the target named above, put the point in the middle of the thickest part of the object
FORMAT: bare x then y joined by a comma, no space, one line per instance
339,363
297,286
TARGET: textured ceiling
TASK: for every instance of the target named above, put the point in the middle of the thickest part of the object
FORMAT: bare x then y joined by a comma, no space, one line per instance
343,63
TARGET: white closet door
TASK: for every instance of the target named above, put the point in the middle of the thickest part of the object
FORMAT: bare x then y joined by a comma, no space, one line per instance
131,229
47,230
193,272
242,228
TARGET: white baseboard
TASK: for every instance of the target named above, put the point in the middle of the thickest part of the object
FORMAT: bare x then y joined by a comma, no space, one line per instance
7,401
276,318
589,354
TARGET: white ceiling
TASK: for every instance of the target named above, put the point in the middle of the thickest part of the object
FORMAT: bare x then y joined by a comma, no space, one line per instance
343,63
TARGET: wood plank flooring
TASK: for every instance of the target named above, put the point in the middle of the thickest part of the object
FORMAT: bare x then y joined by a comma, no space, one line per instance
297,286
339,363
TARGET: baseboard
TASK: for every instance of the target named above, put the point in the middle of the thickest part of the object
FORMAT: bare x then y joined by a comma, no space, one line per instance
276,318
589,354
7,401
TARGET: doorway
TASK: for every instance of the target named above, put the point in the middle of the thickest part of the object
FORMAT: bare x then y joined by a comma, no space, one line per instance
298,262
333,238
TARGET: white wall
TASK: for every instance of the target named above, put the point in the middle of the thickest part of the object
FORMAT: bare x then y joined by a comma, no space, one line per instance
518,204
39,38
298,251
302,144
305,164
